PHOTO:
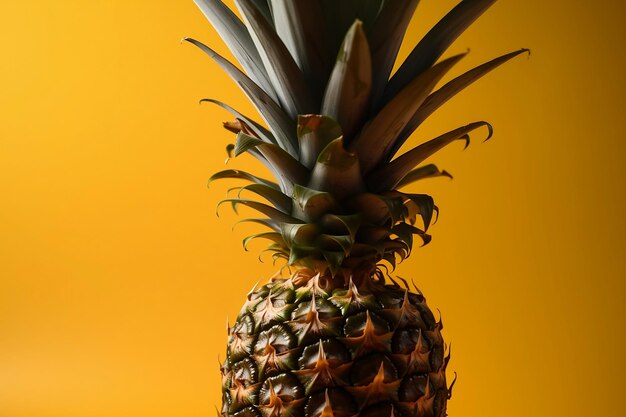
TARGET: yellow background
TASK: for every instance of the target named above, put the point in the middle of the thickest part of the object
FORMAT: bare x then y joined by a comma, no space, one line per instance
116,277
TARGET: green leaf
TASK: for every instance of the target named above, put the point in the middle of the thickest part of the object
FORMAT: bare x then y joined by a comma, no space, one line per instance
265,8
234,173
273,236
287,79
377,209
426,238
423,172
360,250
390,257
402,229
341,224
274,196
371,234
337,171
279,122
378,135
315,132
425,206
390,175
340,15
334,260
238,40
303,234
395,247
369,12
386,38
230,148
301,253
269,211
310,204
286,168
345,242
449,90
435,43
298,24
405,233
246,143
259,130
272,224
348,91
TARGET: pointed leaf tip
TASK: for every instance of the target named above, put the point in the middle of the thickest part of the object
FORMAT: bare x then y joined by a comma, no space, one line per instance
390,175
348,90
436,42
446,92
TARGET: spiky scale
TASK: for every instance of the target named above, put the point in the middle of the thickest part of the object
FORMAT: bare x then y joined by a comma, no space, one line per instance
377,361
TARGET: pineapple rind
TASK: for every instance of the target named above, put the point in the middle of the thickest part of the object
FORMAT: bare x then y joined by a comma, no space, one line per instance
362,351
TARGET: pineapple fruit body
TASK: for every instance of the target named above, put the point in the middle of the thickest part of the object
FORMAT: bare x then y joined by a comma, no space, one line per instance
302,348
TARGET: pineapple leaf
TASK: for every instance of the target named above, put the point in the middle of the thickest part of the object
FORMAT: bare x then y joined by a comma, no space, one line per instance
265,8
449,90
274,196
246,142
299,234
278,253
273,236
405,233
377,137
341,224
287,79
348,91
337,171
340,15
426,238
390,257
269,211
311,204
378,209
390,175
298,24
315,132
280,123
386,38
369,12
259,130
286,168
426,171
372,234
272,224
230,148
234,173
345,242
435,43
424,205
238,40
299,253
334,259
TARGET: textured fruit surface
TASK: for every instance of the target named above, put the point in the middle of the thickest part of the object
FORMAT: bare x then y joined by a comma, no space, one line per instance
300,347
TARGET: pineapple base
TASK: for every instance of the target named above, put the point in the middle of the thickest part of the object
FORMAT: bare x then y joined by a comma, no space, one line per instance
304,347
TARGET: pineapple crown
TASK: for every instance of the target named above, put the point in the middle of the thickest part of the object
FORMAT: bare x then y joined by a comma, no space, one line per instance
318,72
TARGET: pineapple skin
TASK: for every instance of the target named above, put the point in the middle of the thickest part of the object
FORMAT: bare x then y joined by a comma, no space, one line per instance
303,348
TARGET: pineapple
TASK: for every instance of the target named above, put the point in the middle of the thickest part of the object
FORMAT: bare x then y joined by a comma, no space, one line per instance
337,336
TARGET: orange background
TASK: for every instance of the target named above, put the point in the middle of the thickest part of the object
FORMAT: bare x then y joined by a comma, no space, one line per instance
116,278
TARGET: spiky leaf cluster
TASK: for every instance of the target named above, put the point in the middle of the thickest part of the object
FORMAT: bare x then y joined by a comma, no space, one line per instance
319,74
